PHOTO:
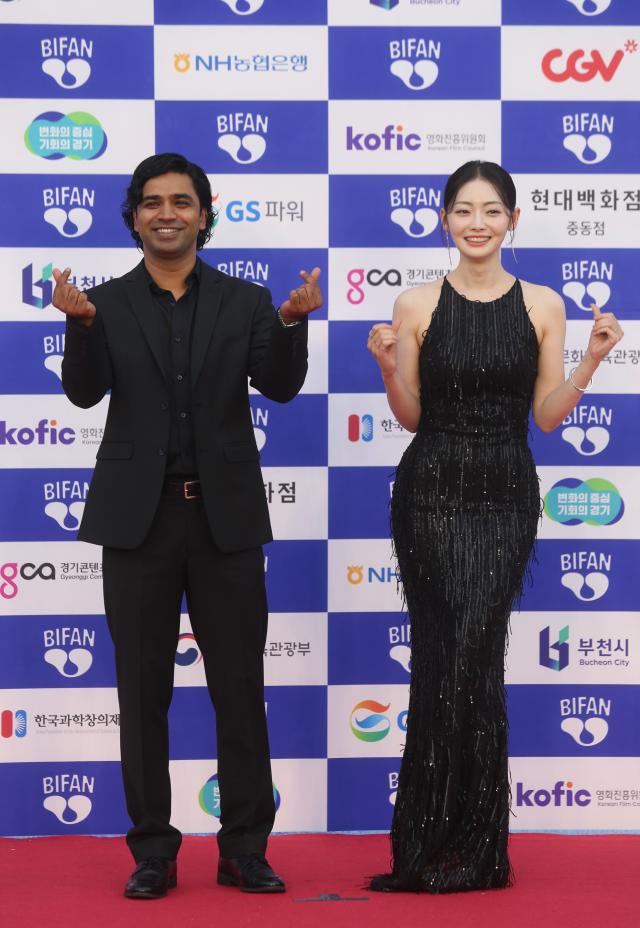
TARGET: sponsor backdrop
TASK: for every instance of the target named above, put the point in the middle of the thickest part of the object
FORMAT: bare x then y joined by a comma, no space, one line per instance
328,129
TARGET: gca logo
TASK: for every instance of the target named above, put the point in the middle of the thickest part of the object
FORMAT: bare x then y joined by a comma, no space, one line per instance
590,7
242,136
415,61
243,7
66,60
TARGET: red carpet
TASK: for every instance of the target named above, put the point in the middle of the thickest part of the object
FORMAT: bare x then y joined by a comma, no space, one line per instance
569,882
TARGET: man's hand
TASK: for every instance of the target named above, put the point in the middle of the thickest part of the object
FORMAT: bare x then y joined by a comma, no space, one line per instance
304,300
71,301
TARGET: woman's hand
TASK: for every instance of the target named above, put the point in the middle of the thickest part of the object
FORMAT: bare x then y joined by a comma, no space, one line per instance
382,342
606,333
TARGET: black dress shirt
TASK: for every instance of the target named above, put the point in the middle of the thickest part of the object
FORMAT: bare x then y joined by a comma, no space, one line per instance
176,318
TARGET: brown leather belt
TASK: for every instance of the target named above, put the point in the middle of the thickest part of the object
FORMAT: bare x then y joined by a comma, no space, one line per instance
185,489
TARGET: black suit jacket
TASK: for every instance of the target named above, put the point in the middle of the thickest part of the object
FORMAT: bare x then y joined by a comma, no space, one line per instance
235,336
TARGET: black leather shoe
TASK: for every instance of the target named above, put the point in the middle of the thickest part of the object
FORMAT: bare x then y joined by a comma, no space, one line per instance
251,873
152,878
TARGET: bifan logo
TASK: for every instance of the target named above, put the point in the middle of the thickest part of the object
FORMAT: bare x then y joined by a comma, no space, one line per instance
591,7
243,7
588,136
415,210
586,282
415,61
77,807
579,68
242,136
562,794
561,647
592,730
64,58
585,573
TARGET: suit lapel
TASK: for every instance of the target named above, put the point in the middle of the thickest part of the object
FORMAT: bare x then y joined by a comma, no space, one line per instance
207,308
137,288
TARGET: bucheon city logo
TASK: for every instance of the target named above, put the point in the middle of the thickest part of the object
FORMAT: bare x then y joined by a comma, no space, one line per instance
561,648
37,293
578,67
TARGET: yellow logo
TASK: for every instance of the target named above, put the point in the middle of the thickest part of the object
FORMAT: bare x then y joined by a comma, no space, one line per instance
355,574
181,62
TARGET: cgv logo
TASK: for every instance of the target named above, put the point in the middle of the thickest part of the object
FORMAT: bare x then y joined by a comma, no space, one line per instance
579,67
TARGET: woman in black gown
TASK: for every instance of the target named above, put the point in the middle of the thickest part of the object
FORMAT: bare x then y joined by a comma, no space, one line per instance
464,361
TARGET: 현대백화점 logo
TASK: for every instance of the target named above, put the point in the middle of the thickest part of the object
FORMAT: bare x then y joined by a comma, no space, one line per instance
53,135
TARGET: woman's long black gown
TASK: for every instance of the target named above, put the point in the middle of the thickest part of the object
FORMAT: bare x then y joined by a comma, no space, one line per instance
465,511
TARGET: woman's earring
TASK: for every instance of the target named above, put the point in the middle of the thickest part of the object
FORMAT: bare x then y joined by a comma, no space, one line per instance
513,250
449,248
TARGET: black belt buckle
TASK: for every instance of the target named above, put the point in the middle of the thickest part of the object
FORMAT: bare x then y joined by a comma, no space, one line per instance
186,489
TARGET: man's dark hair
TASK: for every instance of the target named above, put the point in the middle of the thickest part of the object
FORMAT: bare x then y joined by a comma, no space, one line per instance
168,163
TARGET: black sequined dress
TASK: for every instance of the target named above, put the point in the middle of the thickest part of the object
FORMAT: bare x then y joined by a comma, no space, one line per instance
465,511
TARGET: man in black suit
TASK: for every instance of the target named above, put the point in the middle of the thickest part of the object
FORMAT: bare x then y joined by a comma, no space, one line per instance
178,503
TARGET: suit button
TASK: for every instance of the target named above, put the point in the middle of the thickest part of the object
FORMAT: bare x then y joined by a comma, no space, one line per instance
179,378
161,452
183,415
164,406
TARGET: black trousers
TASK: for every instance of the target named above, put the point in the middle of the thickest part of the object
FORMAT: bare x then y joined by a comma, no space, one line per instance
226,599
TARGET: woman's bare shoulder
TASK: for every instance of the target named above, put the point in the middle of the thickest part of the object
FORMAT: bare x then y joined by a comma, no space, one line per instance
418,301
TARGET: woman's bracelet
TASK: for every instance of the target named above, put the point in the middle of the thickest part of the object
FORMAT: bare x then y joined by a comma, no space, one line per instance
575,385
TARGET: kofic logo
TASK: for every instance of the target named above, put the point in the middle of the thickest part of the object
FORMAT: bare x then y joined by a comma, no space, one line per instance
40,292
64,59
412,208
562,794
187,653
44,433
249,146
54,135
587,278
587,733
67,649
360,428
414,61
13,724
590,7
590,585
586,428
593,502
582,69
588,136
209,797
367,721
68,809
560,646
243,7
392,138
